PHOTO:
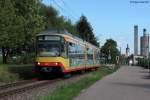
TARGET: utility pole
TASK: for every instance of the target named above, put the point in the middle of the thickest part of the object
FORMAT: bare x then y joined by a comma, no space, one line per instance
148,56
120,50
120,60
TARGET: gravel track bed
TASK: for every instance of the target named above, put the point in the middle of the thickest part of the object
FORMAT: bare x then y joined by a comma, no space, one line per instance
2,83
42,91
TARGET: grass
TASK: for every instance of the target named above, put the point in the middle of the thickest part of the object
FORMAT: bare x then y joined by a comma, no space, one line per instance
12,73
67,92
0,59
6,76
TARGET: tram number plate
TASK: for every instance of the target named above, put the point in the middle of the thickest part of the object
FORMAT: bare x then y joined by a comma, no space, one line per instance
46,69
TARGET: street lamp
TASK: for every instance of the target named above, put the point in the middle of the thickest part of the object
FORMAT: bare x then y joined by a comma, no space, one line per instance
148,56
109,57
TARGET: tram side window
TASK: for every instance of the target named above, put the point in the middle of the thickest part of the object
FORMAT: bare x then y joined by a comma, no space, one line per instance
64,50
71,50
90,54
75,51
80,52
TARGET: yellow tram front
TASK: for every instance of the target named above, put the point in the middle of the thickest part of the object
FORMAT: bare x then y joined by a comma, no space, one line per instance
51,53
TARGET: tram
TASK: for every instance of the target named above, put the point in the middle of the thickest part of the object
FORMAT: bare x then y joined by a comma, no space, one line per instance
61,52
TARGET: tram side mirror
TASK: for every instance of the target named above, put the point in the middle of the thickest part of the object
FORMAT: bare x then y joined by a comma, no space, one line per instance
70,43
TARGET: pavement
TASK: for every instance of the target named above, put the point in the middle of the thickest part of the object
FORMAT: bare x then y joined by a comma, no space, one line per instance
128,83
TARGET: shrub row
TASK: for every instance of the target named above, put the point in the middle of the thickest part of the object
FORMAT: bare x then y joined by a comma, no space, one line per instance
143,62
13,73
22,59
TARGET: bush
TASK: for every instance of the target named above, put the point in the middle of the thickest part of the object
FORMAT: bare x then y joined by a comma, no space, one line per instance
143,62
22,59
1,59
6,76
11,73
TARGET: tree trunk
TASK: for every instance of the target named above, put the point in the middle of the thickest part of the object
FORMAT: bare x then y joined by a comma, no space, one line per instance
4,55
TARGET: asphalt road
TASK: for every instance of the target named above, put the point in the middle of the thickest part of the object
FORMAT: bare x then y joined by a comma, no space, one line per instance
128,83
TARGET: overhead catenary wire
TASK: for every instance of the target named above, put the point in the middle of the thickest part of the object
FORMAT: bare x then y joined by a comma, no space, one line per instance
63,10
69,8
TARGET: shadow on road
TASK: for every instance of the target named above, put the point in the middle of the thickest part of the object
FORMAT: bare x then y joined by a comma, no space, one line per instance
146,77
143,71
147,86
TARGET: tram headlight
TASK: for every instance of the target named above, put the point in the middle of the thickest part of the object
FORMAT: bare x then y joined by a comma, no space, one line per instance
56,63
38,63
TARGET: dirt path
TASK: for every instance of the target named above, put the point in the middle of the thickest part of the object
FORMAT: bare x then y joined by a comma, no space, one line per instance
128,83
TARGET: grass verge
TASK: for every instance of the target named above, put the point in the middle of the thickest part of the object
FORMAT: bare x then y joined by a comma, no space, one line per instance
6,76
0,59
12,73
67,92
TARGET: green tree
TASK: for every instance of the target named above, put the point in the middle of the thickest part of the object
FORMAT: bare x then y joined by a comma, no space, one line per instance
54,21
68,25
7,20
50,15
32,21
85,30
109,49
19,22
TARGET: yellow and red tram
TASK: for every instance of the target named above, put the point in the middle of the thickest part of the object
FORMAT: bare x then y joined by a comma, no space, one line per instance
58,52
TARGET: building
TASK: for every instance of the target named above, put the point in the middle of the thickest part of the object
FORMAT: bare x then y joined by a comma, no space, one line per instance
127,50
144,44
135,40
135,59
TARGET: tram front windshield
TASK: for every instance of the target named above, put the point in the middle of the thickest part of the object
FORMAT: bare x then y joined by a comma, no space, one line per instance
49,46
48,49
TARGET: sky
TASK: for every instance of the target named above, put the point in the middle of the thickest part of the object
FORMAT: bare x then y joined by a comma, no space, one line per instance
109,18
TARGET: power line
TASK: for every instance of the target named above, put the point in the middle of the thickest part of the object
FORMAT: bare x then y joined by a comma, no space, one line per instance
69,8
62,9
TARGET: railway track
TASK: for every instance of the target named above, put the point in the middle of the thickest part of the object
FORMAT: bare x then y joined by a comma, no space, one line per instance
9,85
11,89
23,86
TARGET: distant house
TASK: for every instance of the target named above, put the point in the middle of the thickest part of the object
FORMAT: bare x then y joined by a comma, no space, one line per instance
135,59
